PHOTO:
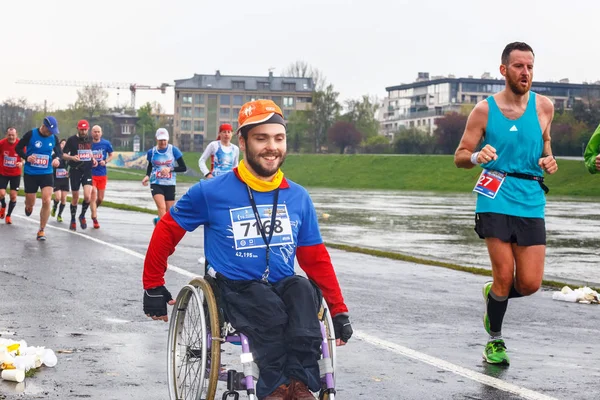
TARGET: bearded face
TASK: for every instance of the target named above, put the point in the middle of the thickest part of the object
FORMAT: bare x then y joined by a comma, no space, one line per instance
519,71
265,149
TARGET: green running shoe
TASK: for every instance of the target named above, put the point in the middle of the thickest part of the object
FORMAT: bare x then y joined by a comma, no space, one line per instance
486,292
59,219
495,352
53,212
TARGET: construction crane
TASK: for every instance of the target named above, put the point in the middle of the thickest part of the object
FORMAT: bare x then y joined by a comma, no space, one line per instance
133,87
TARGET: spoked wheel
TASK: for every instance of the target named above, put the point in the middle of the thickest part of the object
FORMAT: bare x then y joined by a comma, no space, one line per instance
325,317
194,358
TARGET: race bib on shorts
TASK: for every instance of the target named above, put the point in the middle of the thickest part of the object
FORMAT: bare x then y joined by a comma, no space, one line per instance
246,232
84,155
10,162
62,173
489,183
98,156
41,161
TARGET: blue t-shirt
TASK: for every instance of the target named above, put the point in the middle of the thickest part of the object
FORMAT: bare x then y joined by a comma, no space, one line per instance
160,159
519,145
42,148
232,242
100,151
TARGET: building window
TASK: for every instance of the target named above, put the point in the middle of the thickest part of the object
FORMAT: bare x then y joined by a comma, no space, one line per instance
234,125
225,112
240,85
306,100
288,102
198,99
186,112
125,129
198,112
225,100
250,98
277,100
473,99
286,114
212,97
289,87
238,100
186,99
236,112
198,126
262,85
186,125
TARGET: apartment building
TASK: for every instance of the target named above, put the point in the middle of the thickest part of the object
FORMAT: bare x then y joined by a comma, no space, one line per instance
203,102
418,104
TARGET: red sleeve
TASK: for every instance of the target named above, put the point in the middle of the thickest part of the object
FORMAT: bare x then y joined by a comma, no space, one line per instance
315,261
167,233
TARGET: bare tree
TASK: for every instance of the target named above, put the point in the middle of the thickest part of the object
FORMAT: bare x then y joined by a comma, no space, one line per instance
17,113
92,99
301,69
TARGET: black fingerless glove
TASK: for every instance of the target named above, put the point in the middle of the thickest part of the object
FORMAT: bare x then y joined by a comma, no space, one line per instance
155,301
342,327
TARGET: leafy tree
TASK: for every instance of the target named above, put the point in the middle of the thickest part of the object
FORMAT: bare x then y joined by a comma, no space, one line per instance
587,112
343,135
298,128
19,114
376,145
301,69
413,141
146,124
92,99
324,112
362,114
449,131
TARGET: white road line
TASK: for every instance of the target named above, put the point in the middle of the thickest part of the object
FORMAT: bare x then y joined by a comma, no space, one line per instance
384,344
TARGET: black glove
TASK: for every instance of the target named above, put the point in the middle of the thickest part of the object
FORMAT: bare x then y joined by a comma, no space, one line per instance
155,301
342,327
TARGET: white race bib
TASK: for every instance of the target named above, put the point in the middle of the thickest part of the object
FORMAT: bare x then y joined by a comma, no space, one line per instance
246,232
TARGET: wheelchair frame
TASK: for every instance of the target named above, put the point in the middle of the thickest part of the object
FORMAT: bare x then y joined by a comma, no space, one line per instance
194,351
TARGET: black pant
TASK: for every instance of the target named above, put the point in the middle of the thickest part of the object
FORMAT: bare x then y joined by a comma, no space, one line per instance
281,322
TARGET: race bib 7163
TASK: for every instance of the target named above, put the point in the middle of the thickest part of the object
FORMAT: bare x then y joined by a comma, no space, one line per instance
246,231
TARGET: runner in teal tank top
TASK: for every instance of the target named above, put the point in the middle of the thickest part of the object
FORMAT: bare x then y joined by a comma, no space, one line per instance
512,129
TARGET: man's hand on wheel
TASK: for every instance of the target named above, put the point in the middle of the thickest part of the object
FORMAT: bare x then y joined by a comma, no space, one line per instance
155,303
342,328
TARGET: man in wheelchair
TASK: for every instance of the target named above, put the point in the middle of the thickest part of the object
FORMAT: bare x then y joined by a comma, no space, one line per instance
256,222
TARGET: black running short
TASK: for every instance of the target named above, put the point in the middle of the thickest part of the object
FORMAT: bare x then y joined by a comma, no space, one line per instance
33,182
61,184
13,181
511,229
80,177
167,191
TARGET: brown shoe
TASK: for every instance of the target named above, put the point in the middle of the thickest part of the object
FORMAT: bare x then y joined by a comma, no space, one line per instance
299,391
281,393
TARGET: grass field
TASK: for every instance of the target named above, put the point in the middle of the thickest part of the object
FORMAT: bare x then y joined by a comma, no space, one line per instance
388,172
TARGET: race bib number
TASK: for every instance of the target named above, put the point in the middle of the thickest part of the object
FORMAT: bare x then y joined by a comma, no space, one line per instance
161,175
246,232
10,162
98,156
489,183
84,155
62,173
41,161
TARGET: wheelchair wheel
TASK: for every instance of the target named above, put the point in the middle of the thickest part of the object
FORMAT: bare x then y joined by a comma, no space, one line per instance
194,356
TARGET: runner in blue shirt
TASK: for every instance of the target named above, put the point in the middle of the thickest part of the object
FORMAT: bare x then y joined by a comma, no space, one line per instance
164,161
102,151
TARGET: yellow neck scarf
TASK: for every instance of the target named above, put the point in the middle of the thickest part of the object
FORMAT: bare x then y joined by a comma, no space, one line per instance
257,184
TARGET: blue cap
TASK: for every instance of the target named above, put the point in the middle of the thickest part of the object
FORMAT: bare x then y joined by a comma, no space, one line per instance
52,124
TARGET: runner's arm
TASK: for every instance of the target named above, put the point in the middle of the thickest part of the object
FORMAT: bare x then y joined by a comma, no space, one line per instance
315,261
472,136
109,157
548,108
57,150
167,234
591,151
236,158
20,147
202,161
181,167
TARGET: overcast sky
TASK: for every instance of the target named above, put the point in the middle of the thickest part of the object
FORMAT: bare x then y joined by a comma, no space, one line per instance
360,46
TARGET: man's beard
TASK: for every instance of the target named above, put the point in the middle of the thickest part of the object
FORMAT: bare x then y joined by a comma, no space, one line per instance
253,161
515,86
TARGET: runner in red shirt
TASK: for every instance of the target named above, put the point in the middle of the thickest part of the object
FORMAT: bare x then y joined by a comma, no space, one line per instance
10,172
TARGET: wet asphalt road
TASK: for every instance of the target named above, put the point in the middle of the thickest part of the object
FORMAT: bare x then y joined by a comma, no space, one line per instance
418,328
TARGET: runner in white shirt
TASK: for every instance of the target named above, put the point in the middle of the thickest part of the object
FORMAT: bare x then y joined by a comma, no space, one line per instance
223,154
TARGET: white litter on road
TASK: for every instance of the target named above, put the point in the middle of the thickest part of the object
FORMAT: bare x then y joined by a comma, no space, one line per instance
583,295
16,358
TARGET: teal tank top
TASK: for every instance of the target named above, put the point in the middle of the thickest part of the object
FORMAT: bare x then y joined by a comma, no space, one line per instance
519,146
